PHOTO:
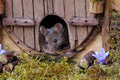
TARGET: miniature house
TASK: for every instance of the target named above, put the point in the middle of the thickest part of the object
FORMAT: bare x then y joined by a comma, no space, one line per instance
23,17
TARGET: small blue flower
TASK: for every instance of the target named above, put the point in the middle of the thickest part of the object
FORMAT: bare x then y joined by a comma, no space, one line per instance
101,56
1,50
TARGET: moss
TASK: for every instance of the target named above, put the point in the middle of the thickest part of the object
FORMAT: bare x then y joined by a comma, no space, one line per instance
43,69
29,69
33,69
115,37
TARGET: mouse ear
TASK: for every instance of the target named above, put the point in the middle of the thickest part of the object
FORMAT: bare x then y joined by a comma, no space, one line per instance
43,30
58,28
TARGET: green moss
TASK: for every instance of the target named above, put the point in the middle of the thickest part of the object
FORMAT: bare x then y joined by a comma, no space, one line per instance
29,69
43,69
33,69
115,37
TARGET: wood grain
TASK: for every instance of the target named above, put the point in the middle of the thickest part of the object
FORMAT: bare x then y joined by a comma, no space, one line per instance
17,13
89,15
9,11
1,12
59,8
1,7
1,36
80,11
96,7
89,38
20,44
8,8
69,13
38,15
50,7
18,22
78,21
45,7
29,31
105,27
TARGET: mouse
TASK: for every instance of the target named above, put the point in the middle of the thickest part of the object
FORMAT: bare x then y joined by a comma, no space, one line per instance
55,38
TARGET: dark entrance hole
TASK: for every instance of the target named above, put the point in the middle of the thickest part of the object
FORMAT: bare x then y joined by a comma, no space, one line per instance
50,20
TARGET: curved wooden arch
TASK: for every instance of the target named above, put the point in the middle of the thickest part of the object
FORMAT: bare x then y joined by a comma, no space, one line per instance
68,54
14,9
20,44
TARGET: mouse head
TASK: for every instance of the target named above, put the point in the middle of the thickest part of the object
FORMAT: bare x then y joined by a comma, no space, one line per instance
53,37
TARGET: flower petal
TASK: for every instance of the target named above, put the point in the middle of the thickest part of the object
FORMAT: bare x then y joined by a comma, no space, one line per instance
98,55
94,55
102,61
101,56
2,52
106,54
102,51
0,46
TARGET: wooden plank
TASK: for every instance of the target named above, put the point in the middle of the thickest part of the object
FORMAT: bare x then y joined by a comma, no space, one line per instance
78,21
69,12
8,10
50,7
1,13
19,43
80,11
38,15
45,7
59,8
28,31
96,7
89,38
95,45
1,36
17,22
89,15
106,24
10,44
87,10
1,7
17,13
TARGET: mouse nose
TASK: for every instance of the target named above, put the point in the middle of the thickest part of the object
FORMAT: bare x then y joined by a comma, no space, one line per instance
50,51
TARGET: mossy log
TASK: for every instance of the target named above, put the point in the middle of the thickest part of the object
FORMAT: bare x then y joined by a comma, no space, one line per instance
7,57
1,67
95,45
10,66
87,60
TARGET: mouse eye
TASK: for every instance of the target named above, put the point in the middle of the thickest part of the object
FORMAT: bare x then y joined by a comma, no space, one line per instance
46,42
55,40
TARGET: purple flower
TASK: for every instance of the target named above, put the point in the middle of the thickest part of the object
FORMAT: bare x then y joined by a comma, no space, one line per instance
101,56
1,50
